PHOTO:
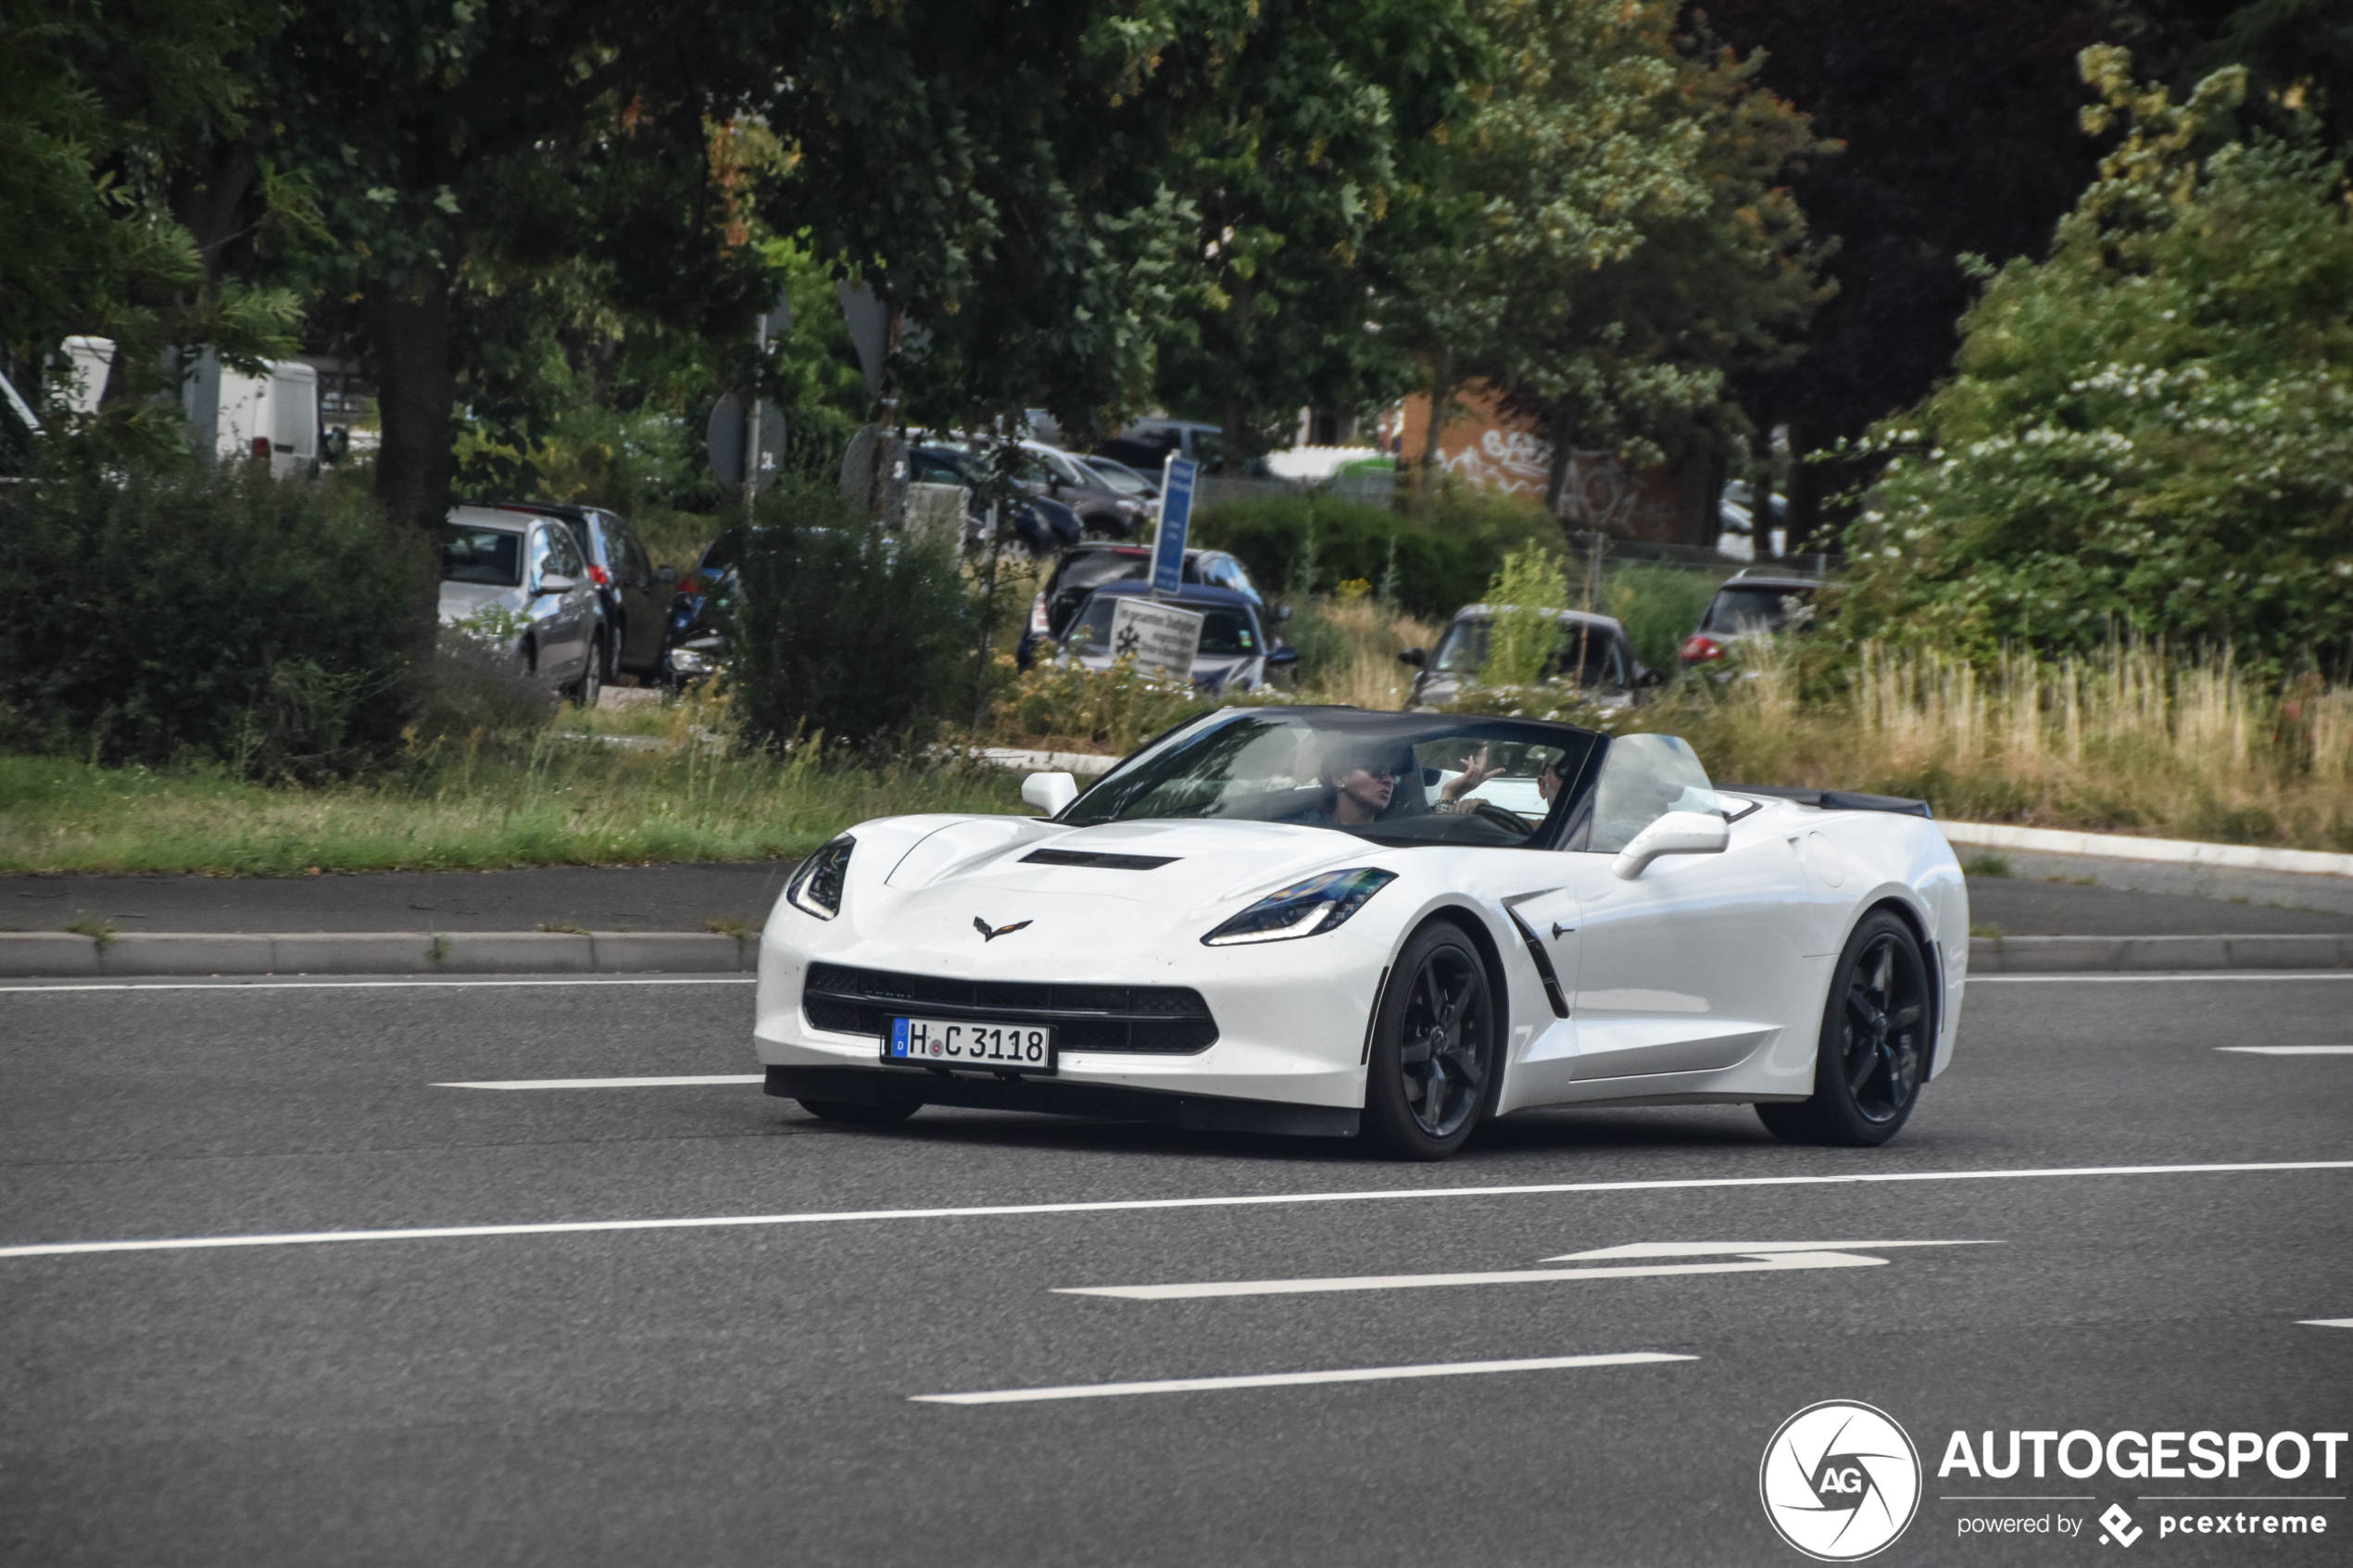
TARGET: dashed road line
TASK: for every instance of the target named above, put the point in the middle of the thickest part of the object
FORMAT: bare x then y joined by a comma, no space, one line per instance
1290,1379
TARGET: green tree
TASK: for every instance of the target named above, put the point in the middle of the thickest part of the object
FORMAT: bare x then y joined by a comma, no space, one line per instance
1635,243
1289,143
104,114
465,157
2150,431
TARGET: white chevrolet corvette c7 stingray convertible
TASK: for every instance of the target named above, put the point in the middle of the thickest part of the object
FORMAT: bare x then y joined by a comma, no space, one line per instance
1324,921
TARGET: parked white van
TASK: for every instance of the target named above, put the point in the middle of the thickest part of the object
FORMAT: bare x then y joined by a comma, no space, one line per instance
234,415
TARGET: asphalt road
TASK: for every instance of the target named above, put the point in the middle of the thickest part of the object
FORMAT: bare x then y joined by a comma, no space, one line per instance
721,1394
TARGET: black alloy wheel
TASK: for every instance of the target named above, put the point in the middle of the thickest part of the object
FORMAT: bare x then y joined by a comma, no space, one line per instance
1878,1032
1432,1073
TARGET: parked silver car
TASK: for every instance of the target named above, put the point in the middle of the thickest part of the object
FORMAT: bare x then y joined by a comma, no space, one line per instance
515,579
1595,654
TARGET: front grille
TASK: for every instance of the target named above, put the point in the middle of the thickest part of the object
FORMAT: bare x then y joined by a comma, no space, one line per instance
1153,1020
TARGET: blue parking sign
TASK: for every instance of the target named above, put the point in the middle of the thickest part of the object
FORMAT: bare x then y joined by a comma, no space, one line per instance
1175,518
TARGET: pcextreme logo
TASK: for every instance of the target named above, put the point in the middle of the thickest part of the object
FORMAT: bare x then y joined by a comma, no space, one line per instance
1840,1480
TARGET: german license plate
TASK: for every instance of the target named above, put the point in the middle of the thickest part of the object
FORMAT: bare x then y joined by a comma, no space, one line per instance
948,1042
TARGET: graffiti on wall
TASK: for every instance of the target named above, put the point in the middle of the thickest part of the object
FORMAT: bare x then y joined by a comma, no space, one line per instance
1601,493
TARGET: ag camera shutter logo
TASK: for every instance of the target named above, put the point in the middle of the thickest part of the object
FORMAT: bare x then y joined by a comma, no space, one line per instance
1840,1480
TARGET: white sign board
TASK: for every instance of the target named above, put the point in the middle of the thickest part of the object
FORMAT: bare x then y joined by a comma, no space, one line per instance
1162,637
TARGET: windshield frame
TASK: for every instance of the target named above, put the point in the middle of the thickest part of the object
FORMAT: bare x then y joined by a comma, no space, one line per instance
1581,749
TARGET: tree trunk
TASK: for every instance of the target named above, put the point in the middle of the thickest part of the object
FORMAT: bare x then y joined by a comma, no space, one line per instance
416,397
1556,481
1442,393
1807,482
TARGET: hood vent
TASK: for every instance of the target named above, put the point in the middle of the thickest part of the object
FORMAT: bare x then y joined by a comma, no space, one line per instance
1100,861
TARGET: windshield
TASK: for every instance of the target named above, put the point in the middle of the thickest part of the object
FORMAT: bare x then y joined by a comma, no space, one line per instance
1091,569
1399,779
1122,477
1586,655
489,556
1758,609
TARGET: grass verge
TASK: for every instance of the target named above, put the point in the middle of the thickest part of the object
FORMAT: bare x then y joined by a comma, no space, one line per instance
554,802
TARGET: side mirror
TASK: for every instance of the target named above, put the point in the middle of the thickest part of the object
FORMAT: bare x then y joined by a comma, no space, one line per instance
555,582
1677,832
1650,678
1414,656
665,574
1283,656
1282,612
1048,792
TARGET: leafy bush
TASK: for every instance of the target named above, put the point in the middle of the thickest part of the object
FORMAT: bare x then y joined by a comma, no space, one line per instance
1659,606
1525,631
150,614
1307,542
836,627
2151,430
1114,709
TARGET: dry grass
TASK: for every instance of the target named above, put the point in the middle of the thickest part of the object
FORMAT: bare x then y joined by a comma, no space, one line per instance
2131,741
1348,654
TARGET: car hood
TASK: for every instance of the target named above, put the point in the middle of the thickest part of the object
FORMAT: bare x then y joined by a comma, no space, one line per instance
928,896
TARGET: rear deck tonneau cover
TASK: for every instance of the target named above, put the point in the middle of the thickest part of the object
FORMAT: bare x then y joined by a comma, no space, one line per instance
1836,799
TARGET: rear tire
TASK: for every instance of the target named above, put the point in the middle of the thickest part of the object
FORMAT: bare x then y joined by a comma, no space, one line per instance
858,1115
1432,1073
1872,1058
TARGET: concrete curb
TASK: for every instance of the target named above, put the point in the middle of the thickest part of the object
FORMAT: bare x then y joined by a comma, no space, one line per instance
2080,955
46,955
2123,847
63,955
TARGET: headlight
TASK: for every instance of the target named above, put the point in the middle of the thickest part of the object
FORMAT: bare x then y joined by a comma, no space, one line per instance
815,888
1320,903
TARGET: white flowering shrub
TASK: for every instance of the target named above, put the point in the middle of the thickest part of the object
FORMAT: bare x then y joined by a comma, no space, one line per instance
2150,431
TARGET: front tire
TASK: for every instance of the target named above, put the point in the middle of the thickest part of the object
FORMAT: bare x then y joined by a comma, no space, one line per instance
1435,1049
1878,1029
592,679
858,1115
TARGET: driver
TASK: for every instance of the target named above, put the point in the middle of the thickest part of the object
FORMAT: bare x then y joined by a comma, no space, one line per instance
1359,783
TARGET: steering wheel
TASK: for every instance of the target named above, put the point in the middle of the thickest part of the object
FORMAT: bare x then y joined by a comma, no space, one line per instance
1510,821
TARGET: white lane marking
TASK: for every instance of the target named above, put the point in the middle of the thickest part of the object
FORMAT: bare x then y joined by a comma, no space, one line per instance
1290,1379
2186,975
2325,1322
2289,1050
1742,1249
1129,1204
606,1083
383,984
1773,1257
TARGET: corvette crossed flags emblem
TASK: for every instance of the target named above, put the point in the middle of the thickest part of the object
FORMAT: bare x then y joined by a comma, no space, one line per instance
990,932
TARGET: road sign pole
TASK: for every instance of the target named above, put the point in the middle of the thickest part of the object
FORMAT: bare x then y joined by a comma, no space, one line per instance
1177,477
